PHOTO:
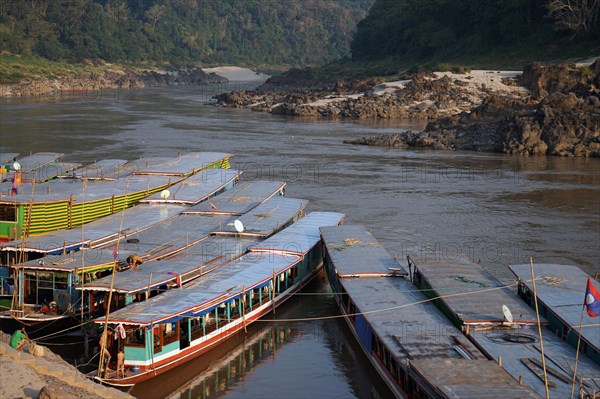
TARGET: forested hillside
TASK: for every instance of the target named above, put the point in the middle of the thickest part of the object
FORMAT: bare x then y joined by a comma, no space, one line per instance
447,29
182,32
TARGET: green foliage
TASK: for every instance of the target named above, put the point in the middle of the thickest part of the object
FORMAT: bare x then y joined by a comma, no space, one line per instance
182,32
444,29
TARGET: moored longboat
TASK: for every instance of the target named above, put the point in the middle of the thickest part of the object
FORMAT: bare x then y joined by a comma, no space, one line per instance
410,343
60,204
176,326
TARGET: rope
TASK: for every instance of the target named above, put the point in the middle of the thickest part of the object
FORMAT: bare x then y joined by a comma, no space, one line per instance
389,308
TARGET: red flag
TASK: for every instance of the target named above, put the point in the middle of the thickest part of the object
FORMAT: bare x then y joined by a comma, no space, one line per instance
592,299
115,253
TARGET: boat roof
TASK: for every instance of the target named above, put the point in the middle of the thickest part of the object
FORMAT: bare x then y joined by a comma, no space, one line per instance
64,189
240,199
356,253
518,346
197,188
247,272
38,160
49,171
410,325
110,169
98,232
6,157
174,234
302,236
472,293
190,263
561,288
184,165
468,379
266,218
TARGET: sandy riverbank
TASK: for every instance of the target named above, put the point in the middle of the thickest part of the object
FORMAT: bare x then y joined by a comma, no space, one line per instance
23,375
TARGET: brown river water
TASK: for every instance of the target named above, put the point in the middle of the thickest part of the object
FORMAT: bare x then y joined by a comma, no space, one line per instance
493,208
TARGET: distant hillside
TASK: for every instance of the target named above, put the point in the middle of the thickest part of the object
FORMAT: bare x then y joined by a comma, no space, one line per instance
182,32
477,31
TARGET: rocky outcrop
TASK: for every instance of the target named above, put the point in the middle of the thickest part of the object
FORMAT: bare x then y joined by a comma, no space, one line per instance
561,117
109,79
561,124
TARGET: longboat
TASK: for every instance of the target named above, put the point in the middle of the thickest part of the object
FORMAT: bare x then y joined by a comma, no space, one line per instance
192,259
46,289
475,300
46,204
560,293
410,343
82,270
181,324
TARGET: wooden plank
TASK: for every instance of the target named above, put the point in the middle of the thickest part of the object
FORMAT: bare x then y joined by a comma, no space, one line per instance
539,373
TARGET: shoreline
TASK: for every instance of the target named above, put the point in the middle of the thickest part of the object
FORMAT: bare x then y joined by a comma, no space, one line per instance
542,110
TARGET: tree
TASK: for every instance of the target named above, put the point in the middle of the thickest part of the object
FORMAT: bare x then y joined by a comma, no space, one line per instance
154,13
577,16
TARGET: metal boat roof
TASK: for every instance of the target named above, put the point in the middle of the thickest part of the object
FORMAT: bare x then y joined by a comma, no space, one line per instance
190,263
472,293
302,236
356,253
98,232
6,157
174,234
105,169
197,188
468,379
410,325
519,346
64,189
184,165
240,199
561,288
37,160
226,283
266,218
49,171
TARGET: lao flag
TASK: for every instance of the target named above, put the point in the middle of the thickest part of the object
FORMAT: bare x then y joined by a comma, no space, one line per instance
116,252
592,299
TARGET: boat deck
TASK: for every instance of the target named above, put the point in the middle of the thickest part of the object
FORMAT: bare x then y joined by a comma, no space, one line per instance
473,294
561,289
266,218
190,263
197,188
185,165
369,257
106,169
239,199
464,288
96,233
246,272
300,237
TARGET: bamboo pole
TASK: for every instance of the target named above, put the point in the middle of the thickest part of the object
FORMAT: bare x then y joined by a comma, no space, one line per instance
82,247
273,291
112,282
242,301
537,313
577,353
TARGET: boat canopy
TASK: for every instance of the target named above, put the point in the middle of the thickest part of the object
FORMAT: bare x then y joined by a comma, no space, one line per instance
302,236
239,199
561,289
356,253
186,164
253,270
266,218
190,263
197,188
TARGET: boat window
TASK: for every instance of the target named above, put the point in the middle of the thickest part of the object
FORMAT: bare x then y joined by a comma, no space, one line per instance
8,213
135,338
171,333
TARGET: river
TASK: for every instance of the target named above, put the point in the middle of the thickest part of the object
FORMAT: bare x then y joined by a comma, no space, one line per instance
494,208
